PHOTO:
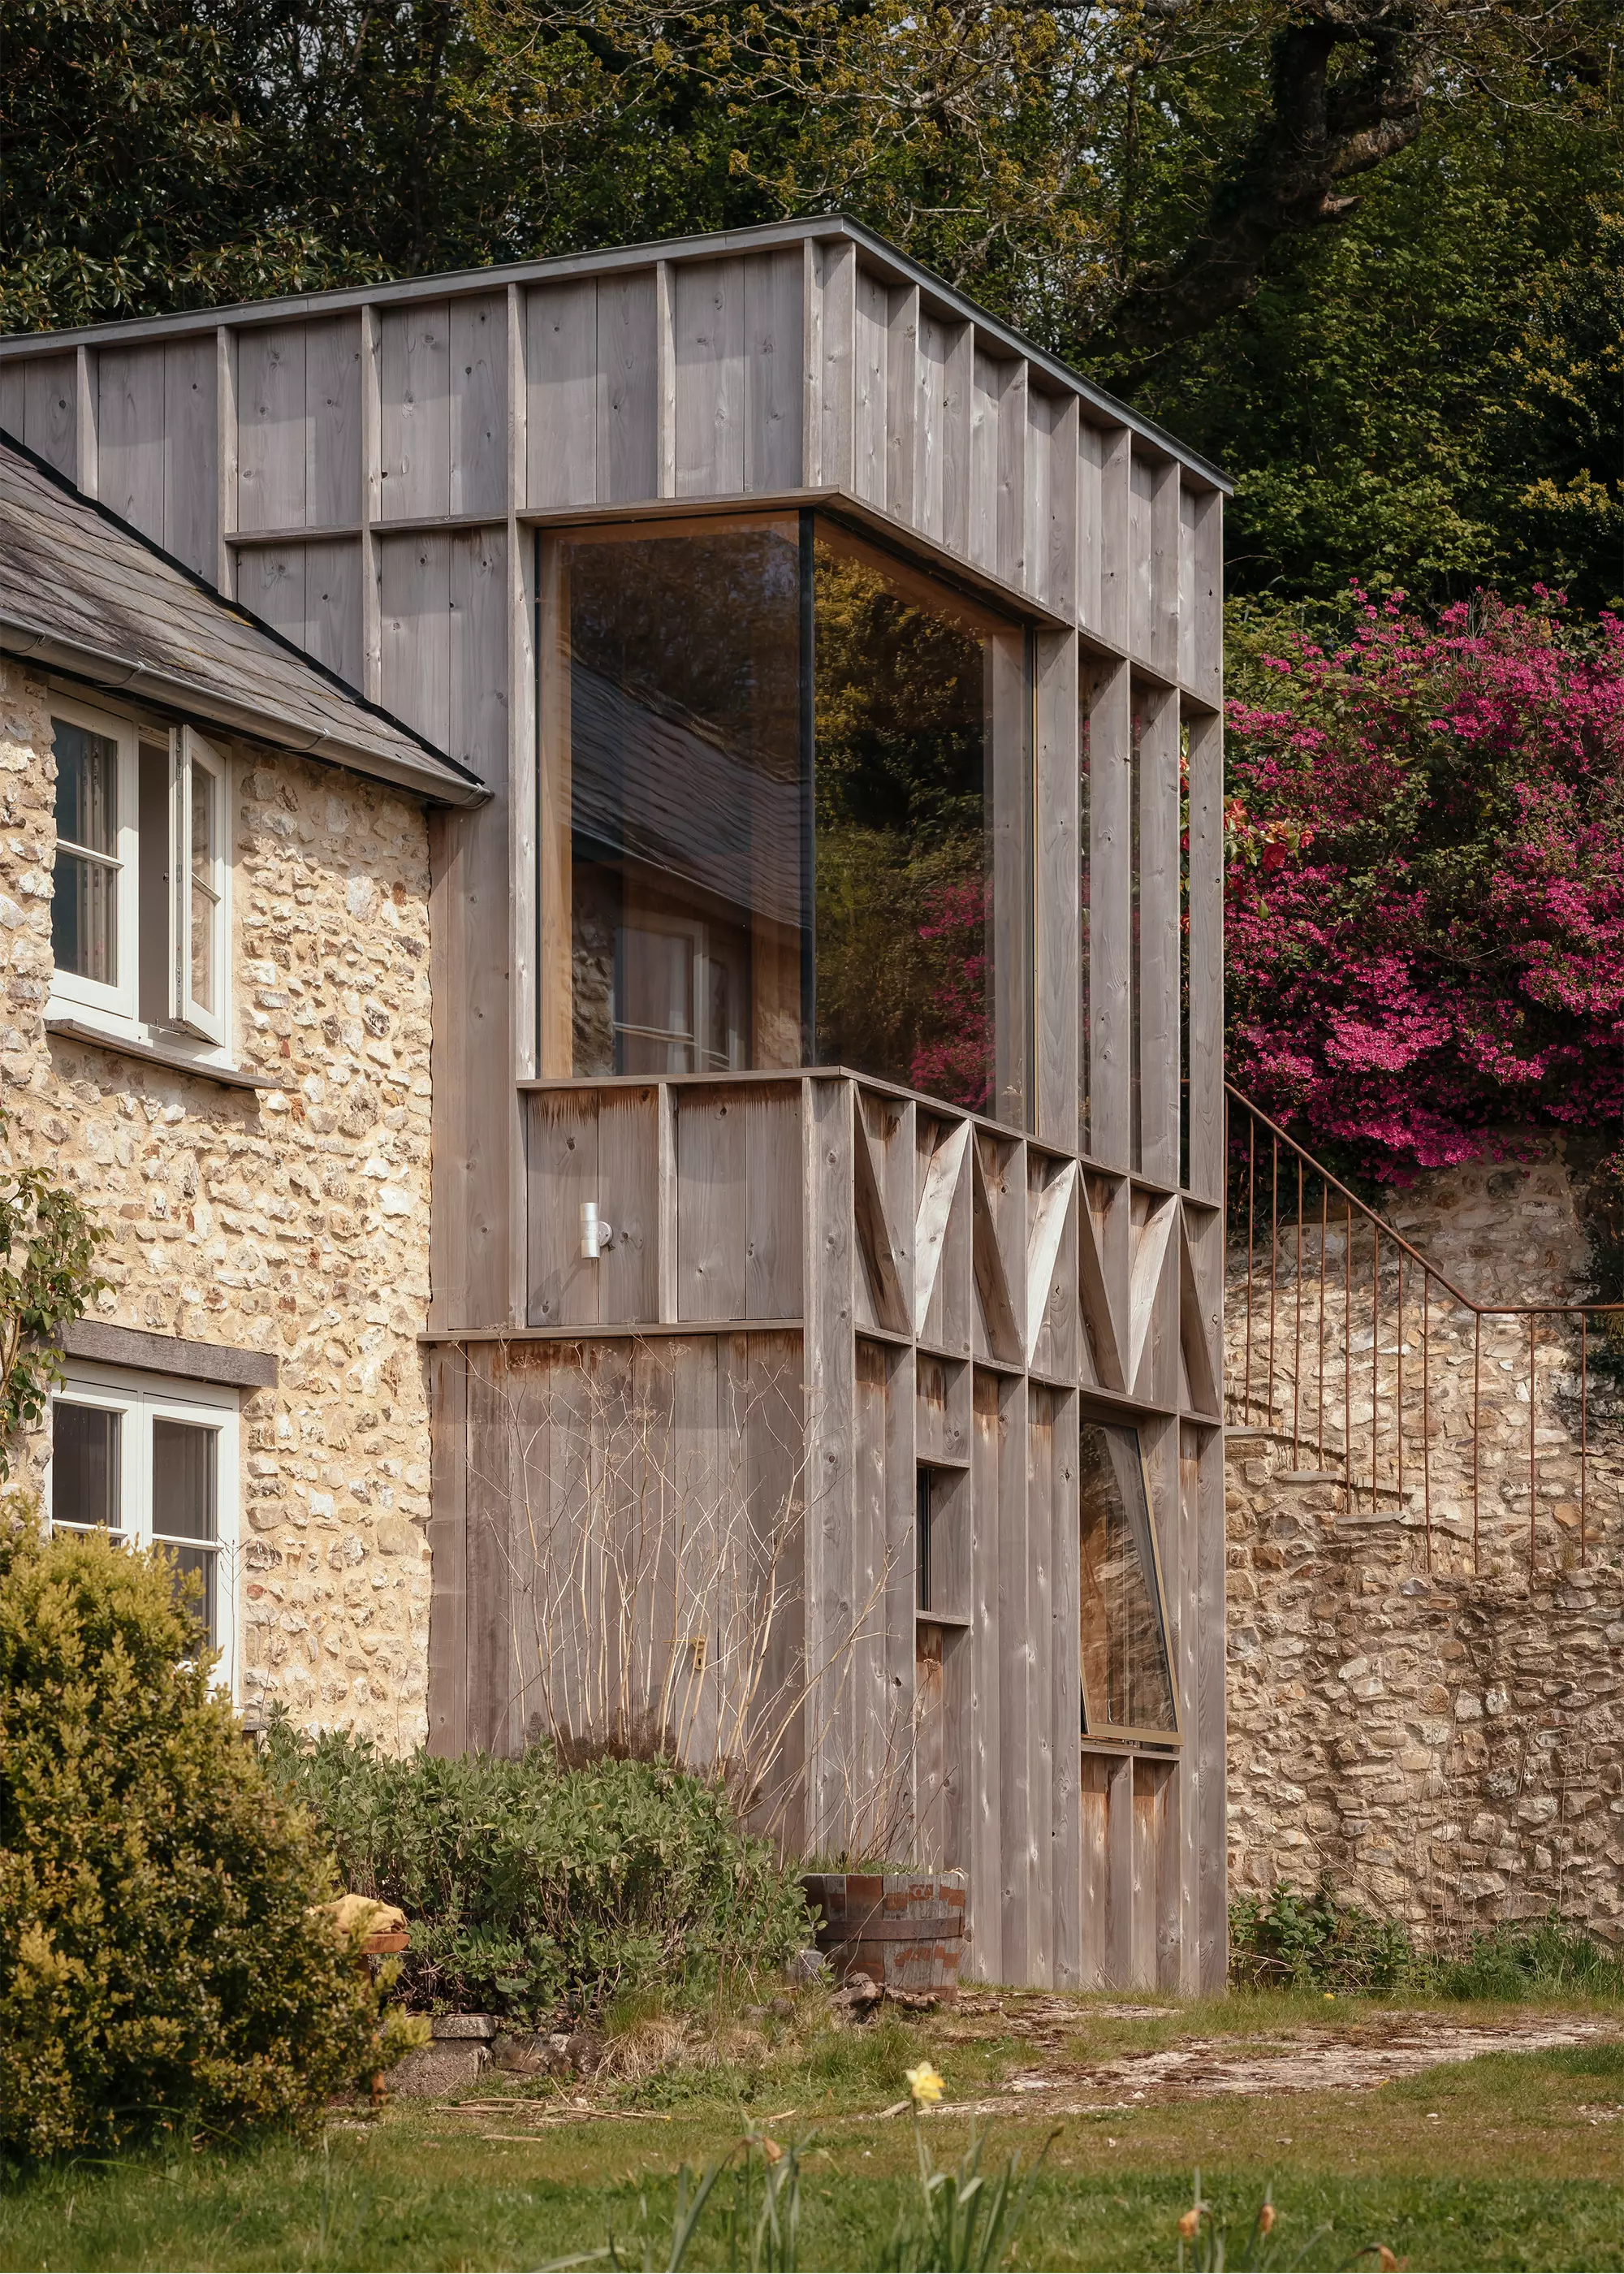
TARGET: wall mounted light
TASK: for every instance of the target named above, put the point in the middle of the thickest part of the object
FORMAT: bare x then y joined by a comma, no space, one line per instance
596,1233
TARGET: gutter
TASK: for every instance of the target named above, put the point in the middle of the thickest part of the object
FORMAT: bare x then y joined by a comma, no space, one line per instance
102,668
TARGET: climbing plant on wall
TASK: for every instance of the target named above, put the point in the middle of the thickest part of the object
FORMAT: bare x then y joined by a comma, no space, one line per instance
47,1276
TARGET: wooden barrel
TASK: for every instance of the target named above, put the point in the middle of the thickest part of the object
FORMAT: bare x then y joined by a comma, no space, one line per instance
904,1929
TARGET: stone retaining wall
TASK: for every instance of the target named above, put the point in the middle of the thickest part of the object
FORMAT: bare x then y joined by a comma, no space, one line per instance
1440,1733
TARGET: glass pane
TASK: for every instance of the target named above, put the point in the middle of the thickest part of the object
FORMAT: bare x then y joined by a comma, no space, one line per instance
202,897
673,740
202,920
203,792
84,919
904,826
183,1481
1126,1681
86,787
85,1448
206,1562
155,900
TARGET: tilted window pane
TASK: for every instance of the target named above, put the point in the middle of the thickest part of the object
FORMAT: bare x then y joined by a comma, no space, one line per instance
85,1472
183,1481
671,739
904,826
202,919
203,898
1127,1683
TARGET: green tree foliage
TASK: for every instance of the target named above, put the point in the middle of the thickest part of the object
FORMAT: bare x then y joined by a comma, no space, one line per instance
48,1249
1430,396
161,1969
1365,252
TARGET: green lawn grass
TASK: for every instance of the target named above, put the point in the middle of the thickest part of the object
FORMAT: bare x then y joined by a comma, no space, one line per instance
1510,2160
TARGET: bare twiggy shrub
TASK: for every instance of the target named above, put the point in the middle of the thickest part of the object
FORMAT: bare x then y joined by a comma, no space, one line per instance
656,1511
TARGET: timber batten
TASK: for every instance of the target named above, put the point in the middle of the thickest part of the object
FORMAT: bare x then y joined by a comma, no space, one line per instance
851,1312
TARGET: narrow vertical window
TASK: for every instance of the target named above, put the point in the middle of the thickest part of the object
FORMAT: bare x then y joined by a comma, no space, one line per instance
1127,1683
198,876
922,1516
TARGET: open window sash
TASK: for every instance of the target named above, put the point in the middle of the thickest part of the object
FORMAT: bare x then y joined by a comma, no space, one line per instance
197,884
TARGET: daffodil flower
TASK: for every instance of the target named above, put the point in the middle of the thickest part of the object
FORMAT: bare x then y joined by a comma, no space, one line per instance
926,2085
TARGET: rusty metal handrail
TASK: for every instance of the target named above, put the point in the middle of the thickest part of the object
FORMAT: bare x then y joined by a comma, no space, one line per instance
1433,1286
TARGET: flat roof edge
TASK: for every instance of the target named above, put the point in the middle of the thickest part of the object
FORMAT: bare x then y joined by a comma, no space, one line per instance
761,237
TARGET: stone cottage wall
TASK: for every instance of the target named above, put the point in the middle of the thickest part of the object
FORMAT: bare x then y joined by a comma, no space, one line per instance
1440,1733
293,1221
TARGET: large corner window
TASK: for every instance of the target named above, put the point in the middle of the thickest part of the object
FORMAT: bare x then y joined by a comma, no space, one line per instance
1127,1681
784,812
152,1464
140,899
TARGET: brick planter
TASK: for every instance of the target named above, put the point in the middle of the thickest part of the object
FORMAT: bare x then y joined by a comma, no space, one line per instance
904,1929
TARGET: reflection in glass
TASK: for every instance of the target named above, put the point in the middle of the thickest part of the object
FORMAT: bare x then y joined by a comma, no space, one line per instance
767,832
1127,1683
84,1446
905,871
184,1506
84,898
678,750
203,897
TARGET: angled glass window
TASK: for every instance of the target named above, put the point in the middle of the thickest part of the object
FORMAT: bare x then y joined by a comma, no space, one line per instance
771,833
1126,1679
905,693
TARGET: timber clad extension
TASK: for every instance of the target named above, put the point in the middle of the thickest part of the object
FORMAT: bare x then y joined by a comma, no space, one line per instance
824,1344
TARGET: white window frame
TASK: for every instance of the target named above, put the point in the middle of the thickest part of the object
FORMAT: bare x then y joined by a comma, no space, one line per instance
114,1012
191,755
139,1399
70,989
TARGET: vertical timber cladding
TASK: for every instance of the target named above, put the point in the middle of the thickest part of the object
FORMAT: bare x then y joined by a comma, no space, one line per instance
366,470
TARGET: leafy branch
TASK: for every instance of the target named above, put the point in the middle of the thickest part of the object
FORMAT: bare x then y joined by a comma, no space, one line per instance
48,1277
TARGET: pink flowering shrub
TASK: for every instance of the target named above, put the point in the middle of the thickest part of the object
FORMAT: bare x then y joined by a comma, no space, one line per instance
1425,882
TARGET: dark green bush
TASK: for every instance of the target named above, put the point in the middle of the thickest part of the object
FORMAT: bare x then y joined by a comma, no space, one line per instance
160,1967
1296,1941
537,1890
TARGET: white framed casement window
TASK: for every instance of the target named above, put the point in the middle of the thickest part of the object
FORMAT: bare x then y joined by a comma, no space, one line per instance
153,1463
200,874
141,917
96,906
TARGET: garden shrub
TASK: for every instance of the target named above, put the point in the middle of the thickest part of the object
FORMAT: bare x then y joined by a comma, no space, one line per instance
535,1890
1296,1941
160,1966
1424,937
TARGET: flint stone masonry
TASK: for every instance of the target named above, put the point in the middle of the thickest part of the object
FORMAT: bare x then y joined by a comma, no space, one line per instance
291,1222
1446,1744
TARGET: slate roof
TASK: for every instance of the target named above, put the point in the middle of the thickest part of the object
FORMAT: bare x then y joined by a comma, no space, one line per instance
83,592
